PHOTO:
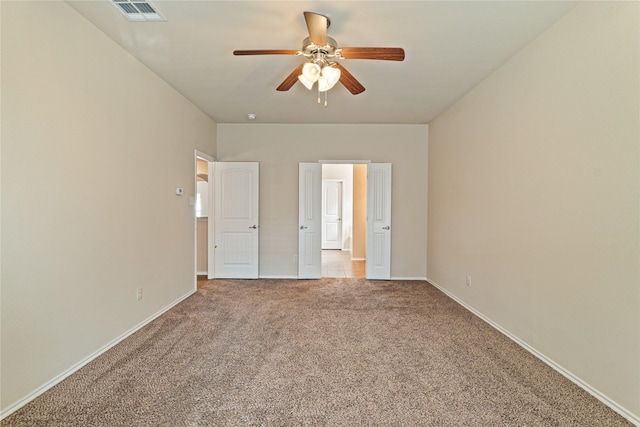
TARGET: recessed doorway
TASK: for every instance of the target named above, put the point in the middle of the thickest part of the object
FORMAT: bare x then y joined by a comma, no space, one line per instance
375,238
344,205
201,205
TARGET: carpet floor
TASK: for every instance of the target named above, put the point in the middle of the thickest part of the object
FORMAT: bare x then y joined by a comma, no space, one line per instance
330,352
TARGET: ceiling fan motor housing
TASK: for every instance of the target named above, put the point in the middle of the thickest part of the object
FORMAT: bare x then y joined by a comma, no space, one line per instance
310,49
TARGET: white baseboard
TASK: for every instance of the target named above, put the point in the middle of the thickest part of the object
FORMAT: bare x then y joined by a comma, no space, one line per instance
358,259
202,273
28,398
279,277
408,278
566,373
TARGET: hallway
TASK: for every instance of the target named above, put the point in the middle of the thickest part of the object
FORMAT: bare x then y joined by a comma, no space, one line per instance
337,263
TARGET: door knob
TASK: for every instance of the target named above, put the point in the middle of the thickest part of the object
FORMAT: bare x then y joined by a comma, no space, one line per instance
386,228
302,227
254,226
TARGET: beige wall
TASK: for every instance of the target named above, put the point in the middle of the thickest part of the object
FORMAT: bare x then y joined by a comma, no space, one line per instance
279,148
84,127
359,250
534,192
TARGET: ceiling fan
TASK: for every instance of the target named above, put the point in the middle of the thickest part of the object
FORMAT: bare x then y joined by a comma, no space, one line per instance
321,52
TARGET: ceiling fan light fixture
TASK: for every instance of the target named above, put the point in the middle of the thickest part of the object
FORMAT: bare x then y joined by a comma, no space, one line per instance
307,83
323,84
311,72
328,78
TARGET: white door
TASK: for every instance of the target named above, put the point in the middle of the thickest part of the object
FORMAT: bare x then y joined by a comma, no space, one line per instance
331,214
211,237
379,221
309,221
236,220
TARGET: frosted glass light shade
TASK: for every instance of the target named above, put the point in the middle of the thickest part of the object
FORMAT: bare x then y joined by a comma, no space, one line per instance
307,83
310,74
330,76
311,71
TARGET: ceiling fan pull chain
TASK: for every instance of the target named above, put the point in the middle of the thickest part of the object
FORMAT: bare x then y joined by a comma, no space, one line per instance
325,99
318,94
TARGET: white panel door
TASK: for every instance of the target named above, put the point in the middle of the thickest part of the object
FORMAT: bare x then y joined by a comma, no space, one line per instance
379,221
211,237
310,221
331,214
236,220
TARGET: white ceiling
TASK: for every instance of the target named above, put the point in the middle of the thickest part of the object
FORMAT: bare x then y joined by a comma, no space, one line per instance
450,47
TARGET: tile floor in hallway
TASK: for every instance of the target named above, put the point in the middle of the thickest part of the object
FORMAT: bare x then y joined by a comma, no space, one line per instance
337,263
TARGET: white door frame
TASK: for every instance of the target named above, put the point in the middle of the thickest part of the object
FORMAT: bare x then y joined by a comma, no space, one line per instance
192,202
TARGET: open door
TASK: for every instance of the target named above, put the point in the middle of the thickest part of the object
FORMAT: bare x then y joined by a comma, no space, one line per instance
310,221
235,220
211,237
379,221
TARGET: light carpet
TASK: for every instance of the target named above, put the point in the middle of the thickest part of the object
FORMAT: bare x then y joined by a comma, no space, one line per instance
330,352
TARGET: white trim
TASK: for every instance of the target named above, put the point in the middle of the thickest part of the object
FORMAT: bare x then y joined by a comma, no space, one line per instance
202,273
57,379
358,259
347,162
205,156
424,279
282,277
566,373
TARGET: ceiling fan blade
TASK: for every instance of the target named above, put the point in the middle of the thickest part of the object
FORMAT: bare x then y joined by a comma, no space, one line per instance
383,53
350,82
265,52
291,79
317,25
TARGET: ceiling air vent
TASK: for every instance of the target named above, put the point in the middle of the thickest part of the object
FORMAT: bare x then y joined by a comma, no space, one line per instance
138,10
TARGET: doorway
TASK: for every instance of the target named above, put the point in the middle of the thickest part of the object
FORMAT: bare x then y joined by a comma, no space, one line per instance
377,236
332,213
344,188
201,206
339,264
